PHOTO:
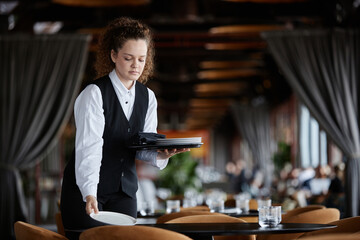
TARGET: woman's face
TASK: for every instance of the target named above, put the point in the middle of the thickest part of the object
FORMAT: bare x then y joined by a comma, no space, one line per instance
130,60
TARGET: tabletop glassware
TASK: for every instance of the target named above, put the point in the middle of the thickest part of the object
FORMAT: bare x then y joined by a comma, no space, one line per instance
217,205
243,195
172,206
269,216
147,208
242,205
189,202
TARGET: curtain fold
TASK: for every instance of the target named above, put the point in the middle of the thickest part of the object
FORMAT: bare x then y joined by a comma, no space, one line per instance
322,67
253,123
39,78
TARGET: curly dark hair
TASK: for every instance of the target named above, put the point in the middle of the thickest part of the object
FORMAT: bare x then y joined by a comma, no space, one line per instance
116,33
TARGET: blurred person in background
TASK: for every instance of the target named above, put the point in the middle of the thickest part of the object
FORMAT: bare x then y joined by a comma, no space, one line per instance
335,196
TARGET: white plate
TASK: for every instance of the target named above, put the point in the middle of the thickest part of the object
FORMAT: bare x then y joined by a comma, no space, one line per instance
113,218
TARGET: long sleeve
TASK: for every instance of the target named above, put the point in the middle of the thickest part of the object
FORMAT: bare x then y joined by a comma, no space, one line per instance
90,122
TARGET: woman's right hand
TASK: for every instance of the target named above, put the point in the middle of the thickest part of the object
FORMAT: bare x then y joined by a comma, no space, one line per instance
91,204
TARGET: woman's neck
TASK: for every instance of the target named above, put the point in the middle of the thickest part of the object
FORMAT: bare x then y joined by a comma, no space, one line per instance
127,83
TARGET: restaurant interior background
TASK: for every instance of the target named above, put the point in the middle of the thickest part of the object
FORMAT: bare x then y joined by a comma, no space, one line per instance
215,78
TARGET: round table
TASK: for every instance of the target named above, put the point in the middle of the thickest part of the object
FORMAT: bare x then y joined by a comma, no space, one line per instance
207,230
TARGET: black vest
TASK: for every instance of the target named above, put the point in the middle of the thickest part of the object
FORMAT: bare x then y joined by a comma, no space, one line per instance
118,170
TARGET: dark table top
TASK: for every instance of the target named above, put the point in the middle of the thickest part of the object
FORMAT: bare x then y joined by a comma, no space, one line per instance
251,213
207,230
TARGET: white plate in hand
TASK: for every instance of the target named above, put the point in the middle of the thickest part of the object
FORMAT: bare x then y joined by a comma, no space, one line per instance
113,218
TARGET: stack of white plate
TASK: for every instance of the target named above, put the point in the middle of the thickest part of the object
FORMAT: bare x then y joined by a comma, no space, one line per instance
178,141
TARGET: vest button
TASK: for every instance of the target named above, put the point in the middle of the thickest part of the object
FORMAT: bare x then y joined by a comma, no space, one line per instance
122,174
121,160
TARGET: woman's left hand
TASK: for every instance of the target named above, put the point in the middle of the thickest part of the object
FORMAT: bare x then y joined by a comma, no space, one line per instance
91,205
168,153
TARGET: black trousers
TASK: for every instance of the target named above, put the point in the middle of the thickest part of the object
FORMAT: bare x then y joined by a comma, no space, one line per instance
72,206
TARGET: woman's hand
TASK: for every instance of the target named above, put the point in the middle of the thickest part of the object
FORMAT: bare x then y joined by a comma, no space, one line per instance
91,204
168,153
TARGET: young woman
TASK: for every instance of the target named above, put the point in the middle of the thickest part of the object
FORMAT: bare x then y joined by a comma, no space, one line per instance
108,113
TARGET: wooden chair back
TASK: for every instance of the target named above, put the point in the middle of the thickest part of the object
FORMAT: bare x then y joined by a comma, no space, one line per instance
344,226
167,217
299,210
112,232
59,224
253,205
250,219
336,236
214,219
27,231
196,208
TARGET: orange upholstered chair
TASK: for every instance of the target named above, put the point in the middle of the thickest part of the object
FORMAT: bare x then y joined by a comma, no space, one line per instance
250,219
167,217
213,219
334,236
59,224
253,205
344,226
26,231
112,232
321,216
301,210
196,208
325,215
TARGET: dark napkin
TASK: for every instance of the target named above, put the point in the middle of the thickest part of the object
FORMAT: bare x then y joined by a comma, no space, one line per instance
142,138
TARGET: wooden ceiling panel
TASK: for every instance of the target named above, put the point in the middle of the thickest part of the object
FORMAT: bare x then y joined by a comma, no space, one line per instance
209,103
251,45
101,3
206,116
231,64
220,89
207,111
228,74
233,29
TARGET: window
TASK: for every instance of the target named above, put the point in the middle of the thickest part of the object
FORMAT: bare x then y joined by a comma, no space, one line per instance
313,144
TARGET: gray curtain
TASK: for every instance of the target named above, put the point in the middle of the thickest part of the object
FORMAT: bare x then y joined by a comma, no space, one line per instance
322,66
253,123
39,79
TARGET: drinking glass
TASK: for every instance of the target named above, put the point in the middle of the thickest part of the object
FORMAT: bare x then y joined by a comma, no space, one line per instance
189,202
279,213
216,205
242,205
172,206
147,208
243,195
269,216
